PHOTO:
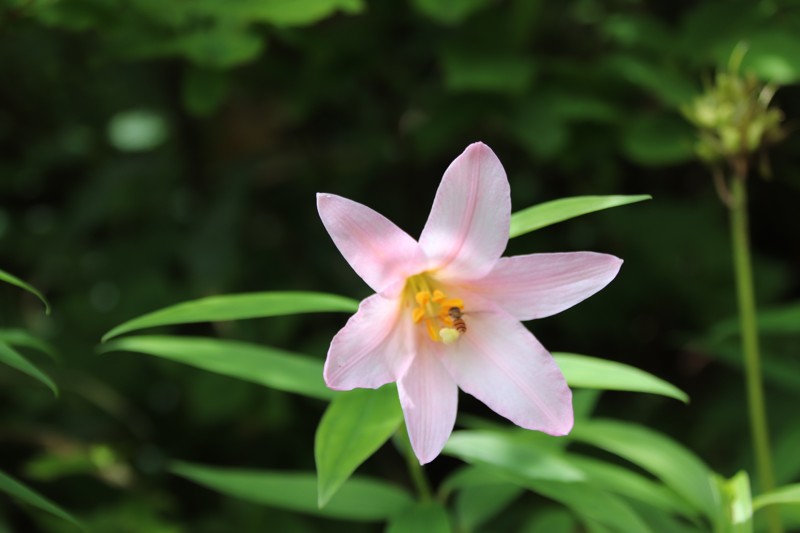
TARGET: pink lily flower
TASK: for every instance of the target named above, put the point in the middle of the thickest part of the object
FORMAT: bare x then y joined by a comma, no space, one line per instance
447,309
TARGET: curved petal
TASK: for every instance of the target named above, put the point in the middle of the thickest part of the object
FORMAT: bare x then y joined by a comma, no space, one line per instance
502,364
467,229
429,397
372,349
380,252
540,285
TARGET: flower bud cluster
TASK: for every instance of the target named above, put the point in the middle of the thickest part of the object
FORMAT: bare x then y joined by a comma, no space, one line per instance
734,117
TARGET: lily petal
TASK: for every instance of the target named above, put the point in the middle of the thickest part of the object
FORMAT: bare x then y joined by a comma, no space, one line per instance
467,229
372,349
540,285
381,253
429,398
502,364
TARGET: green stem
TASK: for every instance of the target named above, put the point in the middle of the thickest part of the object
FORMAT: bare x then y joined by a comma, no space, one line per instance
415,469
749,328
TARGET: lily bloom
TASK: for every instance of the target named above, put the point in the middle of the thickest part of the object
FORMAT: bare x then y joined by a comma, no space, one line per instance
446,310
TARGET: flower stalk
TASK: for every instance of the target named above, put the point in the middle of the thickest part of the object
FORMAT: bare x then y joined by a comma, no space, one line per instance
750,345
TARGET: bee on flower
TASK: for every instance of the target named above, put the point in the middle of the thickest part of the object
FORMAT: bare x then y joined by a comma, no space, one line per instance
447,309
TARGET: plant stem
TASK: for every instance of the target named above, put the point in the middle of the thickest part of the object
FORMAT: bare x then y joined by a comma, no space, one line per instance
750,349
415,470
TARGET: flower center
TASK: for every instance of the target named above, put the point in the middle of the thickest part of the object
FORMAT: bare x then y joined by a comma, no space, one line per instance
441,315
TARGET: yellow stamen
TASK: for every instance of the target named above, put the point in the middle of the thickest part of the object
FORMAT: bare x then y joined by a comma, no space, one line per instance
430,304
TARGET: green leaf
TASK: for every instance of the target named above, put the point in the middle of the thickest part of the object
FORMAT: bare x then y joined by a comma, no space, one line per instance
494,74
19,491
786,495
658,140
262,365
783,320
511,452
676,466
625,482
773,56
428,517
24,339
137,130
204,90
548,213
14,359
13,280
238,307
284,13
737,505
449,11
592,505
359,499
475,505
354,426
593,373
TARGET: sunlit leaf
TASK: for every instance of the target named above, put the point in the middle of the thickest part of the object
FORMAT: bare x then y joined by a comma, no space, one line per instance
137,130
17,490
428,517
542,215
786,495
358,499
354,426
593,373
13,280
14,359
737,505
271,367
676,466
511,452
238,307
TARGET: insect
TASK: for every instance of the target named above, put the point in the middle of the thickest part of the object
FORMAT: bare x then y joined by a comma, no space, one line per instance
458,319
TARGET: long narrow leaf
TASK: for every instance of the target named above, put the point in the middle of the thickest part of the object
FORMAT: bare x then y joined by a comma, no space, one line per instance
24,339
626,482
428,517
787,495
676,466
548,213
14,488
238,307
354,426
511,453
593,505
592,373
270,367
13,280
359,499
13,358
